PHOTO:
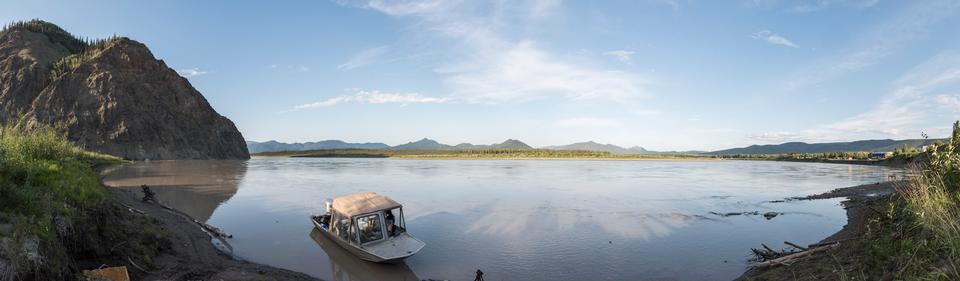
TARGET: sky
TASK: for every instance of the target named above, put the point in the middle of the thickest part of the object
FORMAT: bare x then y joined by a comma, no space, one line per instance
661,74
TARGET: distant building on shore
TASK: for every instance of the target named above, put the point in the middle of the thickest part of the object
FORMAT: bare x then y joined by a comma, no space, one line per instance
880,155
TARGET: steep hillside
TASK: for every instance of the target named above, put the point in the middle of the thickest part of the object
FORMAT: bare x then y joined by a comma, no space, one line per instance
111,96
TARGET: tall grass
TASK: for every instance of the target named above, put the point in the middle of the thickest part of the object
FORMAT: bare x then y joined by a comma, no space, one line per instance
932,200
42,174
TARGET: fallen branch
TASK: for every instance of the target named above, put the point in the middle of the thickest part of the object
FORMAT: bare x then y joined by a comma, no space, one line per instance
795,245
815,245
789,259
767,253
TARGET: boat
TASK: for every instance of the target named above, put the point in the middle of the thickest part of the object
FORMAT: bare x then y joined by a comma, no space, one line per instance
368,225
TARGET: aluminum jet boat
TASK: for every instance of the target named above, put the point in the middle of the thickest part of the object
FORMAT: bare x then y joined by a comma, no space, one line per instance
368,225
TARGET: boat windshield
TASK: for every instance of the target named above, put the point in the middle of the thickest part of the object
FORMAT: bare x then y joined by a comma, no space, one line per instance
394,222
370,228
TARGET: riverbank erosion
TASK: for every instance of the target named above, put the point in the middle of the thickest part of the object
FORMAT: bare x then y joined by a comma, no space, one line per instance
57,219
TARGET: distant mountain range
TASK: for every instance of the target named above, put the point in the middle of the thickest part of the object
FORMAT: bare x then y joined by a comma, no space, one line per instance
272,146
790,147
802,147
593,146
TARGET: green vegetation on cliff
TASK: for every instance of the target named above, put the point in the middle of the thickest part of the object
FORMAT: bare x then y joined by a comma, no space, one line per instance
57,35
81,50
42,173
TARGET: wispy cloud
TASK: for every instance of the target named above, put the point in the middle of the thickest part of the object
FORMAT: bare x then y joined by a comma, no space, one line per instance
646,112
622,55
912,23
925,99
373,97
490,68
774,38
364,58
675,4
777,137
524,72
191,72
810,6
289,67
586,122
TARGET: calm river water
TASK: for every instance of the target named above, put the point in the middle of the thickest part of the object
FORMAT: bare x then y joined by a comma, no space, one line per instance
513,219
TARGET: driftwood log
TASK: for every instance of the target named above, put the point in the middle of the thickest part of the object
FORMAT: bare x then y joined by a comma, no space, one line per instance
766,253
791,258
795,245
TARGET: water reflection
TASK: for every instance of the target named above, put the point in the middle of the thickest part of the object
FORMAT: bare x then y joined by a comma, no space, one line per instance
347,267
194,187
505,221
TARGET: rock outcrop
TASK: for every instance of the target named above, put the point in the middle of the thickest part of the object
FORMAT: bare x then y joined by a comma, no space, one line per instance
111,96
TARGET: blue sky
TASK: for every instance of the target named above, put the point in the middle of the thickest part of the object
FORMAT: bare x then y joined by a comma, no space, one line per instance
665,75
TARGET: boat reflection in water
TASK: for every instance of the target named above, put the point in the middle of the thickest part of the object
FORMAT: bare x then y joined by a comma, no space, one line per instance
347,267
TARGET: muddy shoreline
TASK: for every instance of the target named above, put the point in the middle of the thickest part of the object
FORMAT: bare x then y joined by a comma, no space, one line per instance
193,256
860,205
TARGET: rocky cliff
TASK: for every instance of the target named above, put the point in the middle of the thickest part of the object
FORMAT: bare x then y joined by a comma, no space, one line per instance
111,96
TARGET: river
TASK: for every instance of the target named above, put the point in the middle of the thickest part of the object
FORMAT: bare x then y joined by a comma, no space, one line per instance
514,219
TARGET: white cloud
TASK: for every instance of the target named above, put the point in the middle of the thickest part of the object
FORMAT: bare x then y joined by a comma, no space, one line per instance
524,72
364,58
191,72
926,99
586,122
622,55
406,8
373,97
489,67
325,103
774,38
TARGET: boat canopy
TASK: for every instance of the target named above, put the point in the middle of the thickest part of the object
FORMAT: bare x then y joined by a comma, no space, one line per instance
362,203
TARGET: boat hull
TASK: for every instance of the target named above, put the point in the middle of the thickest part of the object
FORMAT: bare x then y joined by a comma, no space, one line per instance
358,251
